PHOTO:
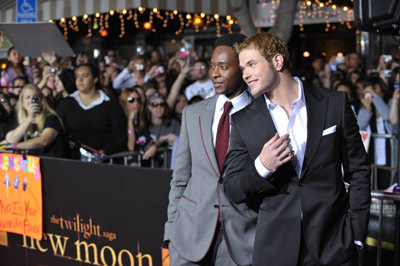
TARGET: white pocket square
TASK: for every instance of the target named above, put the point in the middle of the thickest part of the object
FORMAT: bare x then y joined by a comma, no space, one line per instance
329,130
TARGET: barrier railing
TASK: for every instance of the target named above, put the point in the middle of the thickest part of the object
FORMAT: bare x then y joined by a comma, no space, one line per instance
381,196
394,160
137,158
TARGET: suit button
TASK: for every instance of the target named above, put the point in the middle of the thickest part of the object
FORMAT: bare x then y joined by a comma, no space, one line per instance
216,206
301,184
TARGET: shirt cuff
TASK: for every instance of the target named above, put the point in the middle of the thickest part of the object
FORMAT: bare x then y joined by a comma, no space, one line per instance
261,169
359,243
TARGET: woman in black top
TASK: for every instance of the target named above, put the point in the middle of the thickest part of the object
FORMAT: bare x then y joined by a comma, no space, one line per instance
40,129
91,118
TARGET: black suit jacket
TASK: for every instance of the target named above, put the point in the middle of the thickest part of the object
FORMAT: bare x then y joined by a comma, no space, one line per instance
317,203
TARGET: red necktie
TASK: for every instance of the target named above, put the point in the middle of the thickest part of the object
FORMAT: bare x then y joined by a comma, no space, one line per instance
222,142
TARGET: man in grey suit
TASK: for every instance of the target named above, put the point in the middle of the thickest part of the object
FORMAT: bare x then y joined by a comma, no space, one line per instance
203,227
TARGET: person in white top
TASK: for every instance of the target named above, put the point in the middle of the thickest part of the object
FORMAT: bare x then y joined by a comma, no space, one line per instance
203,85
134,74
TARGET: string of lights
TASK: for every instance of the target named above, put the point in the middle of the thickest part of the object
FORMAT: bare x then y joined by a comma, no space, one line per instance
142,19
155,19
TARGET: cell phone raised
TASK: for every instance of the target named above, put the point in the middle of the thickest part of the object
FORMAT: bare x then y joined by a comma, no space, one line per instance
368,95
388,58
333,67
159,70
184,52
35,99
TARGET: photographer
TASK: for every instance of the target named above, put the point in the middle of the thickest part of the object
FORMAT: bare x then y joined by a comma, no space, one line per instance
133,74
387,63
40,129
374,117
334,70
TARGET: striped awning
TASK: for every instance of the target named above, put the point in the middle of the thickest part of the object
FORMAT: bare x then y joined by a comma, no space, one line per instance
57,9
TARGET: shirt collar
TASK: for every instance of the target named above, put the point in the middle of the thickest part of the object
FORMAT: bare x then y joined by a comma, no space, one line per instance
103,98
299,102
238,102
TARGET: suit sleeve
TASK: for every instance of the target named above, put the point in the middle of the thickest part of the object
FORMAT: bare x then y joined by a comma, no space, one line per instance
181,175
357,172
241,179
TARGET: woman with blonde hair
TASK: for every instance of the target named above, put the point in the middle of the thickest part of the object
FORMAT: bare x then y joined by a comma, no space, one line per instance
40,130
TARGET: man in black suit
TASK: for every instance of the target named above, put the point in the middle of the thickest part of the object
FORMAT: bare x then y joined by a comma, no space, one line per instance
290,146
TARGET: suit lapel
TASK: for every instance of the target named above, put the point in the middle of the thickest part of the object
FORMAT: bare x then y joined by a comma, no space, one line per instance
205,123
316,114
260,122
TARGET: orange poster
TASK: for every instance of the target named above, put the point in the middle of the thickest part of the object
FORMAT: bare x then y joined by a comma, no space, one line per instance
21,195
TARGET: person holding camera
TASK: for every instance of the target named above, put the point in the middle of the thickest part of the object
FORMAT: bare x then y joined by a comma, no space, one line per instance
133,74
40,130
158,73
374,117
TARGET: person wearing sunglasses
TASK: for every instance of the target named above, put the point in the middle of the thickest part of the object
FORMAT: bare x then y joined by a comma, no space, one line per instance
17,84
203,85
163,129
139,138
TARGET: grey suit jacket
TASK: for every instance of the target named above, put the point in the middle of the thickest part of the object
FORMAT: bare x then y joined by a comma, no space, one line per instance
197,200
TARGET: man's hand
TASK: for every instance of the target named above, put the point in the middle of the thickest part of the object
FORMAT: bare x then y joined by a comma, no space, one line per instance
276,152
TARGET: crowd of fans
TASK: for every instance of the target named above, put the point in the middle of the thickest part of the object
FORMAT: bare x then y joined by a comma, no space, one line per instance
373,95
80,108
86,109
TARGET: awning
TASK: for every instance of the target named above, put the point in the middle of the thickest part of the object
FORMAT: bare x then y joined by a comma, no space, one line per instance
57,9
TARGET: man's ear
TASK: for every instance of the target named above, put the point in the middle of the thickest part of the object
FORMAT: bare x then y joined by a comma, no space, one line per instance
278,61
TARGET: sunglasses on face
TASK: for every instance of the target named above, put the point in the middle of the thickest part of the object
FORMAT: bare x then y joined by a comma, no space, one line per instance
155,105
133,99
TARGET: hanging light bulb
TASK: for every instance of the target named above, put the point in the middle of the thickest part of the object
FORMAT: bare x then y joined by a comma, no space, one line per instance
147,25
103,33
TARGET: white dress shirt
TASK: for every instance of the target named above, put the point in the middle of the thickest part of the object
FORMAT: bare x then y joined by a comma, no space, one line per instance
238,103
295,125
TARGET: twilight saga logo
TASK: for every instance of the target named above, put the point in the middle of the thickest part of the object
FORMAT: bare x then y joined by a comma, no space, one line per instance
77,224
86,250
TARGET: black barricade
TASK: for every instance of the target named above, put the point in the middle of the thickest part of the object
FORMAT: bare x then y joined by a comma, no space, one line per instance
96,214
